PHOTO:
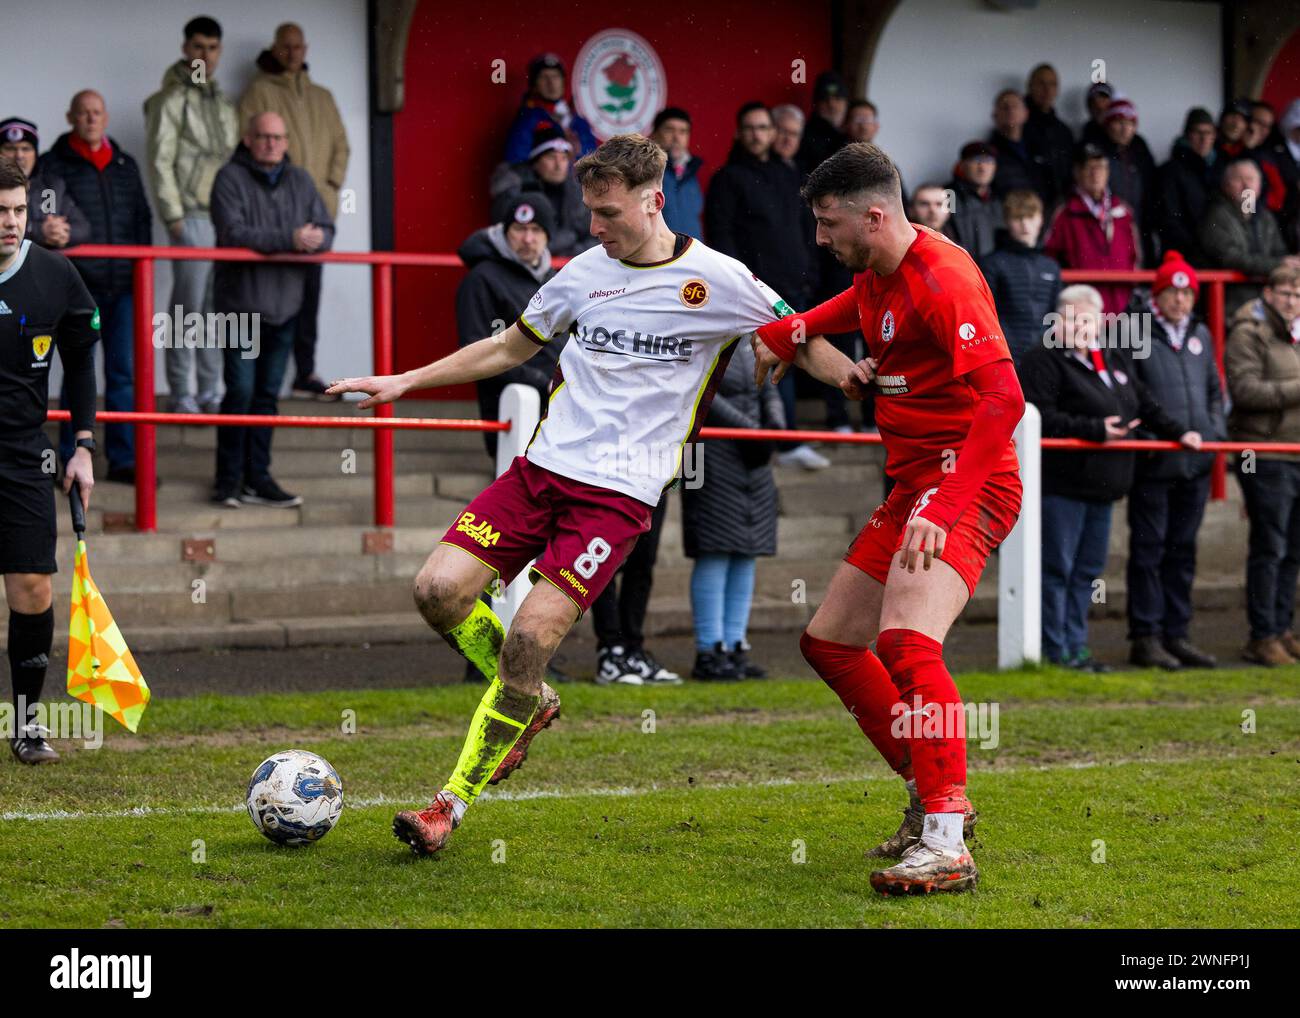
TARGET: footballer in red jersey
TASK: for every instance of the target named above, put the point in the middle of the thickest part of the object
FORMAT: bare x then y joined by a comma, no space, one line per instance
947,402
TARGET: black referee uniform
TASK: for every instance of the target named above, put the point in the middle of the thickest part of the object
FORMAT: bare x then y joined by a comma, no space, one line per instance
44,306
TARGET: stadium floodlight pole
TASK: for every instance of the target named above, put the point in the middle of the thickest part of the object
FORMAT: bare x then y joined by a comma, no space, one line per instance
521,406
1020,578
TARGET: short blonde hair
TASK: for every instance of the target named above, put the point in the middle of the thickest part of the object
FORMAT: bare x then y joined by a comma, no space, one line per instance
632,160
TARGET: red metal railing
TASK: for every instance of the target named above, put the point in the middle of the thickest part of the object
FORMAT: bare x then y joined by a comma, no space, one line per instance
383,422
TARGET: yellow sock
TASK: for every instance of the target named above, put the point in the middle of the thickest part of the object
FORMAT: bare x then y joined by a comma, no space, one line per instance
478,639
500,719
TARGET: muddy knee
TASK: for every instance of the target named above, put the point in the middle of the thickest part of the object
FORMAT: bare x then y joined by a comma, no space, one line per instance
442,603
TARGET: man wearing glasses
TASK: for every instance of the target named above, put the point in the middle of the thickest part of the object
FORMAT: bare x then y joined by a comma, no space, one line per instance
1262,360
261,200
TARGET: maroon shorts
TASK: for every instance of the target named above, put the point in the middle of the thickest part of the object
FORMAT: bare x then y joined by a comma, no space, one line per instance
981,528
578,532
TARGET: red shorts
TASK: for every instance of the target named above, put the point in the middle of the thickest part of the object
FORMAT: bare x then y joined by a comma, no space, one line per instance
581,532
981,528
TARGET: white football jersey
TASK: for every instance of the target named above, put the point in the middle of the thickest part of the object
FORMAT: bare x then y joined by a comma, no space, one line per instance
647,347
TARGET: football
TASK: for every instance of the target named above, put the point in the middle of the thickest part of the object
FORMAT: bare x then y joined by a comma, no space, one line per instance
295,797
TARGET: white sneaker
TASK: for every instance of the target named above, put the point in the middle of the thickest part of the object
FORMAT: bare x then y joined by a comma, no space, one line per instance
803,456
612,666
652,671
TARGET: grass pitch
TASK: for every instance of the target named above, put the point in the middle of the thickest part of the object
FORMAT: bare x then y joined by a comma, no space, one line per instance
1130,799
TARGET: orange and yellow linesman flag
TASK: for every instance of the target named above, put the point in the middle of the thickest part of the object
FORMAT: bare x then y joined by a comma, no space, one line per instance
101,669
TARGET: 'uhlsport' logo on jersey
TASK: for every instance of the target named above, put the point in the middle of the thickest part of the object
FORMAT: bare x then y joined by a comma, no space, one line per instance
606,293
481,532
635,344
887,326
694,293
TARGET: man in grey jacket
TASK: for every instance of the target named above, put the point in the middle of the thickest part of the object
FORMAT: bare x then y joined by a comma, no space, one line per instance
1167,501
1239,232
191,129
260,200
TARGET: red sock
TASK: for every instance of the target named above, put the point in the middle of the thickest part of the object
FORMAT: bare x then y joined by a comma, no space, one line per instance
860,681
915,663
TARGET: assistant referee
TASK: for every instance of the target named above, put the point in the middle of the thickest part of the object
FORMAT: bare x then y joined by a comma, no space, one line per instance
44,305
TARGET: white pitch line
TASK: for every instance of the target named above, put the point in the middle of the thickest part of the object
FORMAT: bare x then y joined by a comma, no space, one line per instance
525,795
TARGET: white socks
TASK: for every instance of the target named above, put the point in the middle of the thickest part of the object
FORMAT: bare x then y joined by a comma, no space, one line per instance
943,832
458,806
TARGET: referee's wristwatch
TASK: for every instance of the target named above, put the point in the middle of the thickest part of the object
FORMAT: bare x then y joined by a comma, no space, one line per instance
88,444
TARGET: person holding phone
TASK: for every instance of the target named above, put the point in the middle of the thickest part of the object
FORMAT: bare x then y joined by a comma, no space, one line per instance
1083,383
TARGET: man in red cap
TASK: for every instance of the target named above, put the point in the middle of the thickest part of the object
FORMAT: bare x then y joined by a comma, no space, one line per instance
1167,501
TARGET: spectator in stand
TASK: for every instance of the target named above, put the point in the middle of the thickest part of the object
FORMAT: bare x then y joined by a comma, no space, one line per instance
1084,390
508,262
788,120
752,212
1132,168
729,520
1097,100
106,185
1262,128
1234,122
1024,281
548,171
1237,232
1167,501
192,129
1262,361
1018,169
931,206
318,144
545,101
823,134
861,123
1049,140
1094,229
65,225
1279,158
261,200
976,209
683,197
1183,186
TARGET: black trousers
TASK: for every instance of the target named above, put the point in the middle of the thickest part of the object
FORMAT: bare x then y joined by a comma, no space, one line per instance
304,343
1163,520
1272,495
619,615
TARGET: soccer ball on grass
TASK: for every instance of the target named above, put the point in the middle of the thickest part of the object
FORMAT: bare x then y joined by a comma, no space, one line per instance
295,797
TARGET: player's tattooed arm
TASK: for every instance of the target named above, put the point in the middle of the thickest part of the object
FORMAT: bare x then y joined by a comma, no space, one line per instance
487,357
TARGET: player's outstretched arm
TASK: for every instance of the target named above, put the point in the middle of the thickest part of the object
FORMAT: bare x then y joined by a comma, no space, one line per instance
471,363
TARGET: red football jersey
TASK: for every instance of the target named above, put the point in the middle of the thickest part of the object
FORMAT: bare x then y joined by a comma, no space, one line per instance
928,323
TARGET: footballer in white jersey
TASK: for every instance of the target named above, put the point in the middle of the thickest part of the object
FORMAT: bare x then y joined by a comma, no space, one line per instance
648,345
652,318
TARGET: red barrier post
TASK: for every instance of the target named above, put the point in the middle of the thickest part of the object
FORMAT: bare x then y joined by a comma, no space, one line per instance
146,462
1214,312
382,298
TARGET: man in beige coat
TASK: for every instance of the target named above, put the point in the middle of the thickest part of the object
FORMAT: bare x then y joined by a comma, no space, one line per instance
319,144
191,131
1262,360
